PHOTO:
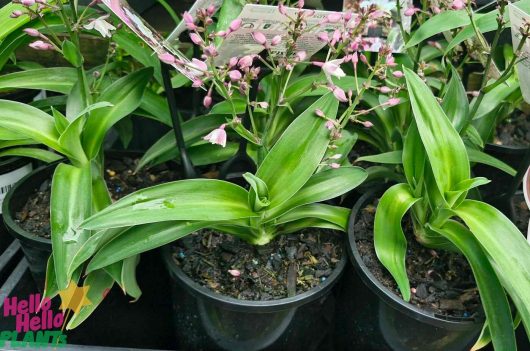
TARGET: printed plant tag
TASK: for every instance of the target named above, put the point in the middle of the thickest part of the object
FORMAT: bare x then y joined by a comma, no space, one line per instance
518,17
147,33
269,21
384,30
173,38
7,180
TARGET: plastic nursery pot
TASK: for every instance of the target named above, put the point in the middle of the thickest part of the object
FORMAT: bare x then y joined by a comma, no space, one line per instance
36,249
503,186
205,320
12,169
377,319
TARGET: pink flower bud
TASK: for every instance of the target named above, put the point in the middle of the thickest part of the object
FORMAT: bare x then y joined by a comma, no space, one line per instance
398,74
221,34
207,102
167,58
334,17
234,273
259,38
276,40
436,10
41,45
393,101
16,14
320,113
235,75
458,5
301,4
334,165
367,124
232,62
211,10
340,94
330,125
246,61
385,89
32,32
300,56
27,2
236,24
410,11
187,17
323,36
196,38
363,58
282,9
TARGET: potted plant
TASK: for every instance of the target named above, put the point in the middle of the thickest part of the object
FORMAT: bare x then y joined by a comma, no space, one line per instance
436,196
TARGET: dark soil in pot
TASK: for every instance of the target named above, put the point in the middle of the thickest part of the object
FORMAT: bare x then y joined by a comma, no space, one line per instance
121,180
441,282
444,313
514,131
521,216
286,301
286,267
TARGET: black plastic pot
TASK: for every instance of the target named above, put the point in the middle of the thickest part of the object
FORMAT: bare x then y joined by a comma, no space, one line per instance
503,186
204,320
374,318
12,169
36,249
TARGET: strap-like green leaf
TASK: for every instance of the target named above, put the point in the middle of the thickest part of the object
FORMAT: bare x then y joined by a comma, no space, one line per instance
38,154
188,200
391,157
322,186
70,205
492,295
333,214
298,152
125,95
141,239
389,239
56,79
441,141
506,248
455,102
442,22
129,283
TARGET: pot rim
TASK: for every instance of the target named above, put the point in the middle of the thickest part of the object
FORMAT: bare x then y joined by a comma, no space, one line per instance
9,164
234,304
388,296
511,149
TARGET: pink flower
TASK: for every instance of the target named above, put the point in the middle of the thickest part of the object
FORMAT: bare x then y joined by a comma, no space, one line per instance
390,61
196,38
207,102
41,46
301,3
300,56
334,17
323,36
211,50
282,9
234,273
262,104
32,32
334,165
398,74
392,102
355,59
332,68
236,24
340,94
458,5
330,125
167,58
276,40
198,67
320,113
436,10
235,75
16,14
217,136
27,2
411,11
232,62
187,17
377,14
367,124
259,38
385,89
246,61
211,10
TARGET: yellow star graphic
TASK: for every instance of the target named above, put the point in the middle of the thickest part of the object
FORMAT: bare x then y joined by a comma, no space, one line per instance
74,297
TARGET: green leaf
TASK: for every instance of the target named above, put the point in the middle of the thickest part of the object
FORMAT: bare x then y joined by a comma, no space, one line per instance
99,284
442,22
72,54
71,140
128,277
492,295
258,196
188,200
297,226
125,95
455,102
11,143
391,157
478,156
322,186
506,247
333,214
61,122
228,12
38,154
389,239
237,106
441,141
298,152
29,122
140,239
56,79
156,107
474,136
70,205
10,24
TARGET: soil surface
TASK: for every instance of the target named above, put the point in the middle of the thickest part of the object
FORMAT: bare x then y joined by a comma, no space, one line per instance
522,213
441,282
514,131
288,266
121,181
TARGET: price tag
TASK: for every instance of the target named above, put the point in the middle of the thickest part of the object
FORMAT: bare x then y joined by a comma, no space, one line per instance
517,18
7,180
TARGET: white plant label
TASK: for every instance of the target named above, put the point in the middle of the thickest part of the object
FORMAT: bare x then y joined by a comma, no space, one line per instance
517,19
7,180
269,21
